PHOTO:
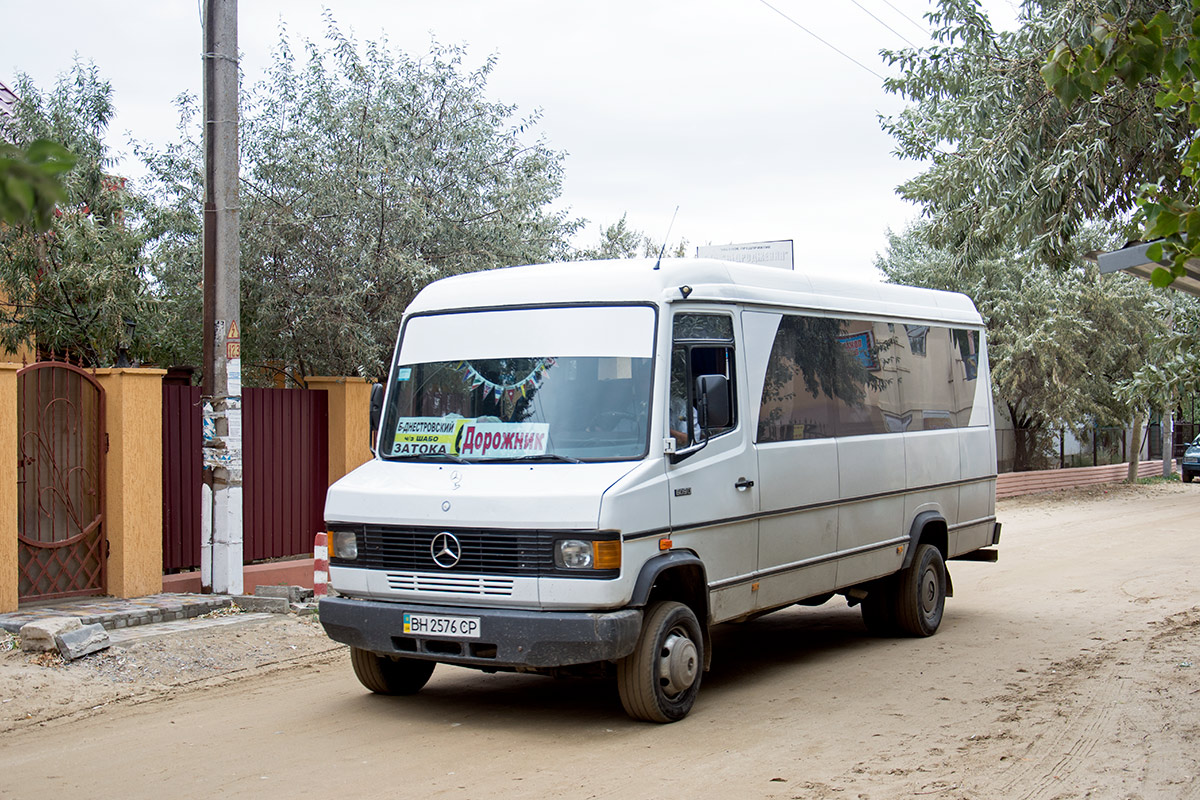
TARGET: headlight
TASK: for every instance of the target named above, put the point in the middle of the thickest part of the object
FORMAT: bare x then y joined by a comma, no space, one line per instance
342,544
581,554
573,554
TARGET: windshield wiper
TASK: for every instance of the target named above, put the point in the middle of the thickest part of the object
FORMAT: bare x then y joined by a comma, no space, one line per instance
424,456
545,457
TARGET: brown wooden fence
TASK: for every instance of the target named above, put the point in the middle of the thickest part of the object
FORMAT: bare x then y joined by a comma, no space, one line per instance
285,472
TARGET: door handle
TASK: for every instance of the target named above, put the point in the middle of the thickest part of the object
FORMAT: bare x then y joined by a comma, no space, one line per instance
743,484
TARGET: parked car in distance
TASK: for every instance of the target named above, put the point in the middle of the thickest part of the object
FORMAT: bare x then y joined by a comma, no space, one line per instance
1190,467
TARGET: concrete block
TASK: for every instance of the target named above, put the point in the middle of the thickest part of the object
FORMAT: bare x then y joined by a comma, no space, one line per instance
39,634
82,641
289,593
273,605
304,609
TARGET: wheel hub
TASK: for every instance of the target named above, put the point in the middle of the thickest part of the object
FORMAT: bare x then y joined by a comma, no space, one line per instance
678,664
929,591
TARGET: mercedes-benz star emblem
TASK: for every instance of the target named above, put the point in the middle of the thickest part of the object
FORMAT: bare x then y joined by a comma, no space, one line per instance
445,549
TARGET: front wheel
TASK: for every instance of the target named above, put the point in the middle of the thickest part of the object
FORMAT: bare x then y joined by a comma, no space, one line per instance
387,675
659,680
921,592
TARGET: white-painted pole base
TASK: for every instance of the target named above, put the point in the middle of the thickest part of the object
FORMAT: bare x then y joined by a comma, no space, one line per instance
227,538
206,537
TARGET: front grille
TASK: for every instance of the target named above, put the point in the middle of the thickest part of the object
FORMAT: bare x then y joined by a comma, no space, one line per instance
406,551
484,552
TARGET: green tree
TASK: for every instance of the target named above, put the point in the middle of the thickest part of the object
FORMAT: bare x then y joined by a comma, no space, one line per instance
619,240
29,182
1151,49
1006,162
172,209
365,174
1058,339
72,284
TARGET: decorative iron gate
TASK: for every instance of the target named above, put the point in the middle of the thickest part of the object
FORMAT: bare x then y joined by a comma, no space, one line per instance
60,482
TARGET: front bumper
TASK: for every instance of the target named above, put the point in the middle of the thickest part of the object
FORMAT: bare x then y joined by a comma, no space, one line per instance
508,638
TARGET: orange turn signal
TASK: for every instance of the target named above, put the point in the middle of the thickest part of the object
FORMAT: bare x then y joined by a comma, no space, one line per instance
607,554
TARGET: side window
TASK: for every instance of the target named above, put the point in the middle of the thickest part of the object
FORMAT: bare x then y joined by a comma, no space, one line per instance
702,345
840,377
819,375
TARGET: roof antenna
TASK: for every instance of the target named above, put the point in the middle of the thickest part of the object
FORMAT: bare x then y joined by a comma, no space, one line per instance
665,240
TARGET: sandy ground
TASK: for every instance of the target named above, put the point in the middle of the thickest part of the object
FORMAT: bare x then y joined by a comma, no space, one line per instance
1070,669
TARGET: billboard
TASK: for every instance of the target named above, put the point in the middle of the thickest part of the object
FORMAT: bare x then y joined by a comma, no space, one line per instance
764,254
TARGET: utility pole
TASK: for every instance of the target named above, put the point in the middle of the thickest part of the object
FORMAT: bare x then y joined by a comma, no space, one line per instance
221,553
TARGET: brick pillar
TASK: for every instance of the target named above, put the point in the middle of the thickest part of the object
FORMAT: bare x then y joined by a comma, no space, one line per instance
133,480
9,568
349,422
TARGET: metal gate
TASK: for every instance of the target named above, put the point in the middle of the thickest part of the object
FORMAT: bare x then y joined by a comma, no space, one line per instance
285,445
285,473
182,471
61,541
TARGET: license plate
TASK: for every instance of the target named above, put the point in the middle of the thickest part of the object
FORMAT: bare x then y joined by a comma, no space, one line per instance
429,625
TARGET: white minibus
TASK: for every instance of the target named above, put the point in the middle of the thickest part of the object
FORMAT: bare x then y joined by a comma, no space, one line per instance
584,467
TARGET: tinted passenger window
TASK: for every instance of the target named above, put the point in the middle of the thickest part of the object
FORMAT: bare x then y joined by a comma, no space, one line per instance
840,377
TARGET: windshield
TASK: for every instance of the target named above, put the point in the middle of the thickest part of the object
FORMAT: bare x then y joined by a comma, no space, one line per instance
561,384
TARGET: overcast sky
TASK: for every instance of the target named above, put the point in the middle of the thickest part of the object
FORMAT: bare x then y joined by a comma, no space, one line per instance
743,119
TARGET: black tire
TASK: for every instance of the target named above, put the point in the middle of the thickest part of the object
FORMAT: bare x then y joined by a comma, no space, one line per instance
879,608
386,675
1187,477
659,680
921,593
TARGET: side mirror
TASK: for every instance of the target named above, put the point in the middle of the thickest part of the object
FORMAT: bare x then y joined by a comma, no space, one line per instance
712,392
376,407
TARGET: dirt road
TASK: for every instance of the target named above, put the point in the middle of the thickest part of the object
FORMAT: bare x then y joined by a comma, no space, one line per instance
1070,669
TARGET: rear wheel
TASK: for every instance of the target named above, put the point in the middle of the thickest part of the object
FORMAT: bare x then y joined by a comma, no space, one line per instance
386,675
921,592
659,680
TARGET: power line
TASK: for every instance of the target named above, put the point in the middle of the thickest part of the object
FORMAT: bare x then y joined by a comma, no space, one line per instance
822,41
881,22
916,24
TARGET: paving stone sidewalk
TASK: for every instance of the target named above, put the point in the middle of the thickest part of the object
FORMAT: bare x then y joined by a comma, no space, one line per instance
116,614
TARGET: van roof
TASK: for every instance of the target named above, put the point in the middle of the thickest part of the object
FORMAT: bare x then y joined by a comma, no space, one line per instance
632,280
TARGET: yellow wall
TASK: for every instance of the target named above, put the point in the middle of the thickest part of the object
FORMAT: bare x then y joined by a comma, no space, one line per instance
25,353
133,479
9,574
349,422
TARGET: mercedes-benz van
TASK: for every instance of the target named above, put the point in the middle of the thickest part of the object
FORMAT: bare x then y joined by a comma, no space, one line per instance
587,466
